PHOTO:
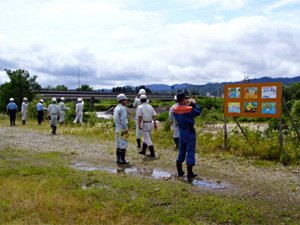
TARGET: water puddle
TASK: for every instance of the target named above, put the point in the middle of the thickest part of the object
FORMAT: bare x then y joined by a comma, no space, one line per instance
146,172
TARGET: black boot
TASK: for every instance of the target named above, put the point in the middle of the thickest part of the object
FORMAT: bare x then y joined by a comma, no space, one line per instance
122,157
138,141
190,172
151,148
118,155
54,129
179,169
143,152
176,140
23,121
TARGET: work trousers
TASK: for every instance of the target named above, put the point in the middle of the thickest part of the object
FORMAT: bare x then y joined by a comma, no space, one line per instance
147,130
40,116
78,117
187,146
62,116
176,130
12,116
137,129
24,113
53,120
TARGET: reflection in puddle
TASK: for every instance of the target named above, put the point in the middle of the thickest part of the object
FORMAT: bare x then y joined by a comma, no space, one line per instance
154,173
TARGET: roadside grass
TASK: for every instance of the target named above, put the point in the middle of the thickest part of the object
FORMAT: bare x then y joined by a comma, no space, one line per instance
41,188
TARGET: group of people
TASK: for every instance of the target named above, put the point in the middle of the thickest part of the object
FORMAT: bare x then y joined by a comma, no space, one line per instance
181,116
55,113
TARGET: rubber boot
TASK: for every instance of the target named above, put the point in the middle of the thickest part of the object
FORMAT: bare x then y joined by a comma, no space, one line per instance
23,121
151,148
118,155
190,172
54,129
143,152
179,169
122,157
138,141
176,140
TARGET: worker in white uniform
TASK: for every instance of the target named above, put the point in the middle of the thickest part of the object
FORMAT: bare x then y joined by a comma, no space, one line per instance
53,113
79,111
62,110
136,104
172,121
121,122
146,114
24,108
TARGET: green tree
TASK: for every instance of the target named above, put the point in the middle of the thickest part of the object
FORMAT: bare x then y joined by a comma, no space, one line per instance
85,87
61,88
21,85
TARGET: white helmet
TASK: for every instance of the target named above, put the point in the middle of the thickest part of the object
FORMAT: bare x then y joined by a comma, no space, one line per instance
175,97
24,99
62,98
41,100
53,99
143,97
79,100
142,92
121,97
11,99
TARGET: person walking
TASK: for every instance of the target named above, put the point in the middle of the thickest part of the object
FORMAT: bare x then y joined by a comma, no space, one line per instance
53,113
121,122
136,104
172,121
79,111
185,115
40,109
24,110
12,110
146,114
62,110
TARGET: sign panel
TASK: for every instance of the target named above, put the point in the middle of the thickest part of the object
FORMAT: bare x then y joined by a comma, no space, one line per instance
253,100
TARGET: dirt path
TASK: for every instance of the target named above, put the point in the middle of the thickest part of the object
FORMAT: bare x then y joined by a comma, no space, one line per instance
241,178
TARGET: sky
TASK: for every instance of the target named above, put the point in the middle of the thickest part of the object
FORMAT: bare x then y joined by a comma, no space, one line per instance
109,43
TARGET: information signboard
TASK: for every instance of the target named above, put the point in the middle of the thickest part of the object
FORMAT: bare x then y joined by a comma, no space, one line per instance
253,100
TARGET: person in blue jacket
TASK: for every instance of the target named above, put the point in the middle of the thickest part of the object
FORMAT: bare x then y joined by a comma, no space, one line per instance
12,110
185,112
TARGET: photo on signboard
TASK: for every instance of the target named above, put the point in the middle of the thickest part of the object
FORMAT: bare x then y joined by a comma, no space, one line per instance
234,107
269,108
250,107
234,92
250,92
269,92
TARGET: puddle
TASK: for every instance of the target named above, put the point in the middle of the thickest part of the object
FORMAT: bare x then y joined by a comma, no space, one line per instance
153,173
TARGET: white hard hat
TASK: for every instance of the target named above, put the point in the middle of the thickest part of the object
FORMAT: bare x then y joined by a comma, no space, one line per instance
53,99
121,97
24,99
11,99
142,92
143,97
175,97
62,98
79,100
41,100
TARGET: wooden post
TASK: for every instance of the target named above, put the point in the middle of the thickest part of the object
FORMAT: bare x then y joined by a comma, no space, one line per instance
237,122
225,134
280,132
296,128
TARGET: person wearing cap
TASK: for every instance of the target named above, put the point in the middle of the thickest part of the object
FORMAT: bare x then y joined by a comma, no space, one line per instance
185,115
62,110
79,111
136,104
40,109
121,122
12,110
146,114
24,110
172,121
53,113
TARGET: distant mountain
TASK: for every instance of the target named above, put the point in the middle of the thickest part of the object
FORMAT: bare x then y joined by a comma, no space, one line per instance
164,87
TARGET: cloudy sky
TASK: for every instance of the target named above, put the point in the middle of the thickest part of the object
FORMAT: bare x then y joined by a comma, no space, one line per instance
139,42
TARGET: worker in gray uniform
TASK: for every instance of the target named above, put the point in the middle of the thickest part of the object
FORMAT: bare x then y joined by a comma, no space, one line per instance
121,122
53,113
136,104
62,110
79,111
173,122
24,110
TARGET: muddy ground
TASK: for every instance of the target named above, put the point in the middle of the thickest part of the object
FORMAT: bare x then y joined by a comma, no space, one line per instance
237,177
